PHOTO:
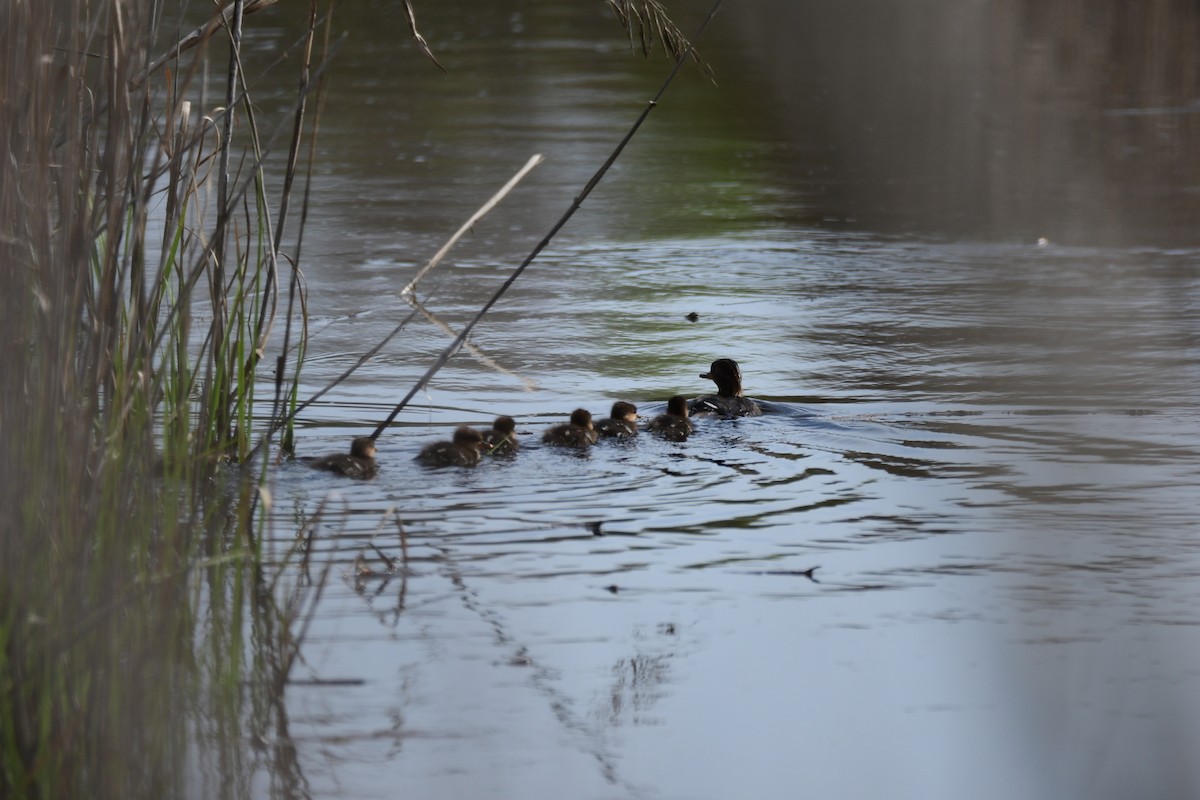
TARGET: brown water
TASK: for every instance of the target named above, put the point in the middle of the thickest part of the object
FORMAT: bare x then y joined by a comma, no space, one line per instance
989,445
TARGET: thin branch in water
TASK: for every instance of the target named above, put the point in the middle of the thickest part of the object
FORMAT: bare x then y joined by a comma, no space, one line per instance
412,26
329,386
281,420
202,34
454,346
474,351
470,223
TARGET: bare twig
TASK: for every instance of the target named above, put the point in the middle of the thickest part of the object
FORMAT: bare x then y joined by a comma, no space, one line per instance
475,352
454,346
470,223
412,26
279,420
202,34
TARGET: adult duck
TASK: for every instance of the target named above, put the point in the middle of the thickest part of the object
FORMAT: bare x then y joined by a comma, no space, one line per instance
730,400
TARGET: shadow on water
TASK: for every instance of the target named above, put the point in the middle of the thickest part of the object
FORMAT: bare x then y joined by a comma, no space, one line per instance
986,446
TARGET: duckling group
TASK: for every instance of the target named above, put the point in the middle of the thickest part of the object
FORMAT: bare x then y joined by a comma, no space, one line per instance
468,445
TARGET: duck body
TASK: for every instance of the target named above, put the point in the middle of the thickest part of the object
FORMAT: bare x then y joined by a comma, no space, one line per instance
501,440
461,451
358,463
579,432
729,401
674,426
621,424
715,405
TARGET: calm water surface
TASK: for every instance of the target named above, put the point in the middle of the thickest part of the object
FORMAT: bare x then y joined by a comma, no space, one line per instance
987,446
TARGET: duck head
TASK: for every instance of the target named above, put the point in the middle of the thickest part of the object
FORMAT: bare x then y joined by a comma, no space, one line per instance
727,375
466,436
677,406
625,411
363,447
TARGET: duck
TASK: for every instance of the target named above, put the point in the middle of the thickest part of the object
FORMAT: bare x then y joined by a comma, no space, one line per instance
729,401
621,422
501,440
674,426
358,463
576,433
461,451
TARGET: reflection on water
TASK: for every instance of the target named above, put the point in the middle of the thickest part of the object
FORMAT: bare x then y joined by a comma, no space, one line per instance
1076,122
982,526
958,558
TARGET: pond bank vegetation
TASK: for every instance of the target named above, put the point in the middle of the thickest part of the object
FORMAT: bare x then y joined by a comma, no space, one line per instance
149,266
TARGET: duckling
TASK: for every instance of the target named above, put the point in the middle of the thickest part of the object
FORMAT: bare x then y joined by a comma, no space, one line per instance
358,463
462,451
501,440
674,426
577,433
729,401
621,424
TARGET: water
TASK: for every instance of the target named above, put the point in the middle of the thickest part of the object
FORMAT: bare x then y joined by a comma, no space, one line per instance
985,445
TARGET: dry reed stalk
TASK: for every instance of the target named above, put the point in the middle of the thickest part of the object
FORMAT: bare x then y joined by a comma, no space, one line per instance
221,19
412,26
296,289
483,210
474,351
285,203
455,345
492,202
100,565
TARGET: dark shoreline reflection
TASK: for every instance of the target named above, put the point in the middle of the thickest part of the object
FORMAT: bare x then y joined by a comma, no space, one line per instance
1044,118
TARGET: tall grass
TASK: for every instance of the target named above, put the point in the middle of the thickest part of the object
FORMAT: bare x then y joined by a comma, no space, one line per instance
139,268
144,649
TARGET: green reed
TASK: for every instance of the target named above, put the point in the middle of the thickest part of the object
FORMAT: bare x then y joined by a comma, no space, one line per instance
144,644
139,272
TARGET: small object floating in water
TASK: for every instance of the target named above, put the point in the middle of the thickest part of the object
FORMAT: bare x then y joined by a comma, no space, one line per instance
501,440
462,451
358,463
798,573
621,424
729,401
576,433
612,588
674,426
693,317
